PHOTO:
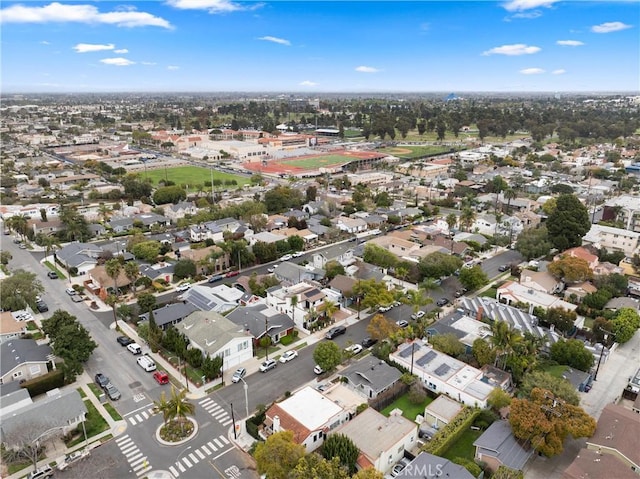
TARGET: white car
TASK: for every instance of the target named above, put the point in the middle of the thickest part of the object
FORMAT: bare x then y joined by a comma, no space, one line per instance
354,349
418,315
183,287
270,270
288,356
297,254
286,257
71,291
318,370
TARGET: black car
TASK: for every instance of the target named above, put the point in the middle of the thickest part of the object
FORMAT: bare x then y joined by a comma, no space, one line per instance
102,380
124,340
335,331
460,292
442,302
504,267
42,306
52,275
368,342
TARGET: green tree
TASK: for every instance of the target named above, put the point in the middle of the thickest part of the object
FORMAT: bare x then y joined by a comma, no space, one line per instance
467,217
277,457
379,256
451,220
19,290
381,328
625,324
169,194
560,387
498,399
483,352
448,344
265,252
473,278
184,268
5,257
572,353
332,269
180,407
317,467
132,272
568,223
296,243
147,250
341,447
562,319
328,308
113,267
570,269
327,355
504,340
504,472
146,302
438,265
374,293
368,473
547,421
534,243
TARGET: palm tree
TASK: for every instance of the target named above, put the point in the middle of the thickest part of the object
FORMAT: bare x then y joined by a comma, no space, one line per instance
163,406
19,224
467,217
416,299
132,272
498,216
328,308
451,220
510,194
180,407
104,211
48,242
113,267
428,285
294,303
504,339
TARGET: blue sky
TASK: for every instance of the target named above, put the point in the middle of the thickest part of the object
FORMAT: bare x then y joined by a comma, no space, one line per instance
309,46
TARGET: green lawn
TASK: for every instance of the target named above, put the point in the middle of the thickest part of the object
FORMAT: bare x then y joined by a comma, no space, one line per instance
463,447
191,176
52,267
319,161
416,151
95,424
112,412
95,390
556,370
409,410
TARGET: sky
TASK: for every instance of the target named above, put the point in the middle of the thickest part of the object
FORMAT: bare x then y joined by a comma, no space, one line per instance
320,46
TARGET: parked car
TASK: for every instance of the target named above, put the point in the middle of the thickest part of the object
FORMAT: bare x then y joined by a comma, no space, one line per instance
402,323
41,472
161,377
318,370
71,291
335,331
399,466
354,349
271,270
112,392
231,274
460,292
442,302
124,340
368,342
183,287
134,348
76,298
418,315
384,309
504,267
286,257
42,306
288,356
215,277
268,365
102,380
297,254
238,375
52,275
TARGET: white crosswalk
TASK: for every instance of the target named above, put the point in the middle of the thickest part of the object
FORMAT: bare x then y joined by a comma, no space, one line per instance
217,412
141,416
137,461
192,458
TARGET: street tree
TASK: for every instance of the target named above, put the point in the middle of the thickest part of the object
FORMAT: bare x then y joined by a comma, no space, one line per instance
373,293
296,243
132,272
277,457
5,257
113,267
380,327
368,473
327,355
184,268
451,220
317,467
625,324
572,353
473,278
341,447
546,421
29,441
534,243
438,265
570,269
19,290
562,319
568,223
146,302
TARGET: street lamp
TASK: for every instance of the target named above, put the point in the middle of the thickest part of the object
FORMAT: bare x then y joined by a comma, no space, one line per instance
246,395
603,343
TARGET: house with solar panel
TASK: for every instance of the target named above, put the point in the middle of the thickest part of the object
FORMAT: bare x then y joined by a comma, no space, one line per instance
442,374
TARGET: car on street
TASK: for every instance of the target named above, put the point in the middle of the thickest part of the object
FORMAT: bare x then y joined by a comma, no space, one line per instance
417,315
102,380
442,302
271,270
384,309
124,340
297,254
368,342
354,349
402,323
42,306
112,392
504,267
335,331
71,291
288,356
238,375
52,275
22,246
161,377
215,277
268,365
41,472
183,287
286,257
231,274
318,370
460,292
76,298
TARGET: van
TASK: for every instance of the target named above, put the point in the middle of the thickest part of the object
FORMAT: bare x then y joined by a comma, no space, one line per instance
147,363
134,348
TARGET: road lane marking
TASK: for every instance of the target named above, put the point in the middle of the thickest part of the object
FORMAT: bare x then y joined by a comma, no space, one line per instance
202,456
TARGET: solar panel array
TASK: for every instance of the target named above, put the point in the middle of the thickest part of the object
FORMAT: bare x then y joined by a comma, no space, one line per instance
406,352
198,299
427,358
442,370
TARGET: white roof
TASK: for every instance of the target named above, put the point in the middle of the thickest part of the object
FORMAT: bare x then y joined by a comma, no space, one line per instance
310,408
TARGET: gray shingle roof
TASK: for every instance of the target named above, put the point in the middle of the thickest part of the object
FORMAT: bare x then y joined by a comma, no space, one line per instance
75,254
371,372
498,441
19,351
257,318
170,313
428,466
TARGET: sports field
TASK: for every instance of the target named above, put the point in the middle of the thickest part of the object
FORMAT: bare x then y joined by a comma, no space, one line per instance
191,176
411,152
316,162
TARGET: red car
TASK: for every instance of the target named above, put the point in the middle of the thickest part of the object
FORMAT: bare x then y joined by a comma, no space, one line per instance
231,274
161,377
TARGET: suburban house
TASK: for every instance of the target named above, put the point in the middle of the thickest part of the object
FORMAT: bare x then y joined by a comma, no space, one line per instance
170,314
309,414
101,284
381,440
157,271
370,376
291,273
260,320
214,230
582,253
59,412
82,256
46,228
180,210
221,298
23,359
350,225
498,446
541,281
428,466
10,328
579,290
211,258
146,220
215,335
308,297
512,292
319,260
443,374
441,412
343,285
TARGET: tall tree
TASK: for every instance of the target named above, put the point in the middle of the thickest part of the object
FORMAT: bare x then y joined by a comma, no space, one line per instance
317,467
113,267
19,290
341,447
132,272
278,455
568,223
504,340
510,194
327,355
380,327
534,243
571,269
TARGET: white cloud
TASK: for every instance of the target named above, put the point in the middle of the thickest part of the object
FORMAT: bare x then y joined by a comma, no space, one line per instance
58,13
44,42
527,15
532,71
93,47
365,69
280,41
173,67
148,63
121,50
520,5
570,43
609,27
513,50
118,61
214,6
559,71
307,83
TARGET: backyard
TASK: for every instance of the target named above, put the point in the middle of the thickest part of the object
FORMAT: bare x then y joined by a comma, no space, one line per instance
463,447
409,409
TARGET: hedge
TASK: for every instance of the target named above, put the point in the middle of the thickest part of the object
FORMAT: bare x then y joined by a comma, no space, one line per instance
451,432
44,383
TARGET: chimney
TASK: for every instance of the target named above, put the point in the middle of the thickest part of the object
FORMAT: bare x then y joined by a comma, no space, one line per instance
479,313
276,423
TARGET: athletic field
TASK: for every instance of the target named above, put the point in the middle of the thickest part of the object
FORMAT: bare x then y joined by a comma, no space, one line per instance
411,152
191,176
